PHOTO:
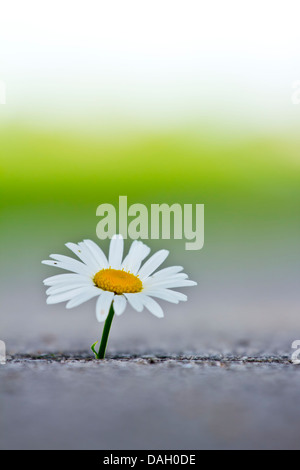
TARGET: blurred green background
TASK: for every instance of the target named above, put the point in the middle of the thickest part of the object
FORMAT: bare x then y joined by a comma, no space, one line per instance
52,184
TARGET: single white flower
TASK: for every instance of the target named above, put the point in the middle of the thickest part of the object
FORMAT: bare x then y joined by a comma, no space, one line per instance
113,281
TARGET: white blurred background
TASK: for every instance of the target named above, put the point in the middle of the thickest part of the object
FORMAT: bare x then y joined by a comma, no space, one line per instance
153,63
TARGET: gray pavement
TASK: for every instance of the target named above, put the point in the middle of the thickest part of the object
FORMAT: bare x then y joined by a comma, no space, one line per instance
215,373
150,401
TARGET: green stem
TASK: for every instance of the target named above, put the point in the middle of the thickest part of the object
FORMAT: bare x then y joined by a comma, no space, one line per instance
105,334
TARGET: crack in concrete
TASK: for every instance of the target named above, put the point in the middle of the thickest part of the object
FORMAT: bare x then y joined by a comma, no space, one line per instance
153,358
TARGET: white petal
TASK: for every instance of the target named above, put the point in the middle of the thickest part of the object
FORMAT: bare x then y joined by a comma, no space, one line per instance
116,251
103,305
166,294
58,289
135,301
153,281
64,259
83,253
179,295
167,271
84,297
152,306
143,252
174,283
174,277
97,254
163,294
119,304
130,258
152,264
137,253
69,264
55,299
65,278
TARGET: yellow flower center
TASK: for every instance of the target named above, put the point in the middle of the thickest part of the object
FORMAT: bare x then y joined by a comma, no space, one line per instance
118,281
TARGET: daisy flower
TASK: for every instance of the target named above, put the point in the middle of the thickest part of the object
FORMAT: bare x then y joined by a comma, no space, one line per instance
114,281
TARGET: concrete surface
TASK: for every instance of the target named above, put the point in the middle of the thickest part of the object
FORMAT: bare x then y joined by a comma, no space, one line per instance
245,400
215,373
